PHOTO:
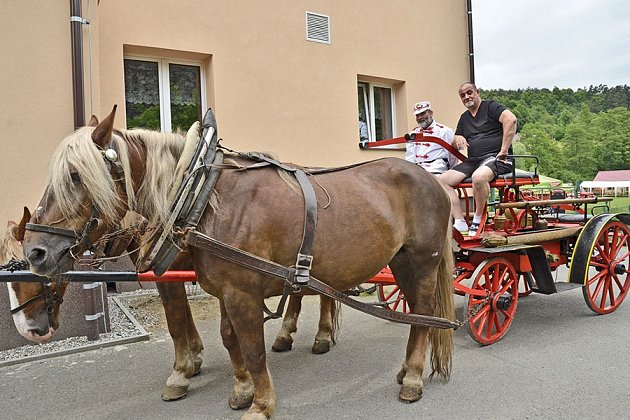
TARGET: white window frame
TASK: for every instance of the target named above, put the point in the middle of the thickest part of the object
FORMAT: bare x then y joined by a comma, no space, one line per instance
369,101
164,86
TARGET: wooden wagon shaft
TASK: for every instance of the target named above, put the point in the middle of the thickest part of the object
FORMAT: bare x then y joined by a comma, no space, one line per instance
527,204
529,238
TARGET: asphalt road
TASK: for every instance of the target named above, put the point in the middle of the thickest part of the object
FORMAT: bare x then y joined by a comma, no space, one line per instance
558,361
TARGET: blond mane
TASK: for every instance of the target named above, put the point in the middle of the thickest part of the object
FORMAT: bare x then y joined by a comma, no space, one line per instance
9,246
78,153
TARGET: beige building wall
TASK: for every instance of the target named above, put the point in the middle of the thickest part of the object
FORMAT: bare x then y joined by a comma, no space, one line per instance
271,89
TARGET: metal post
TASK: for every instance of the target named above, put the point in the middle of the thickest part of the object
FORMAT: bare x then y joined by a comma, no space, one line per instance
78,94
92,314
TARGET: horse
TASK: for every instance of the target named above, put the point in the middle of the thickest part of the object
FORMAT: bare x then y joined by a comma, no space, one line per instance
37,321
378,213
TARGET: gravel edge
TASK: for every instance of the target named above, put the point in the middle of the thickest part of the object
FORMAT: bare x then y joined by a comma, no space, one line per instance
124,329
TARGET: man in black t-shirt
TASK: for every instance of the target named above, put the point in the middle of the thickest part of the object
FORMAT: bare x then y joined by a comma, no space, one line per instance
487,129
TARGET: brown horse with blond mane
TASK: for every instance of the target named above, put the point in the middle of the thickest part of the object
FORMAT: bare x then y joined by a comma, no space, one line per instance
381,212
38,320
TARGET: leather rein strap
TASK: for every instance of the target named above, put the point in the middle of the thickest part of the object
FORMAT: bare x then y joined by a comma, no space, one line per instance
261,265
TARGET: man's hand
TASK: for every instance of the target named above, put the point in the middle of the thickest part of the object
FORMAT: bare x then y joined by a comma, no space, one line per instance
459,142
502,157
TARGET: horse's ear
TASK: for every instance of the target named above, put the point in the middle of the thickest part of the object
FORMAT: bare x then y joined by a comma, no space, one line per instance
22,226
93,121
103,131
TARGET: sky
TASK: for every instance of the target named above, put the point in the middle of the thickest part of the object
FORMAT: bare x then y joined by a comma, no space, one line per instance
548,43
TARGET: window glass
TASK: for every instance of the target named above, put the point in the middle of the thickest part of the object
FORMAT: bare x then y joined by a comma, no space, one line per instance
161,94
185,89
383,121
142,94
375,112
364,115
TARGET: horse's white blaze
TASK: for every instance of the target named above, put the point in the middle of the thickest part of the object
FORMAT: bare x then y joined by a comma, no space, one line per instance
22,324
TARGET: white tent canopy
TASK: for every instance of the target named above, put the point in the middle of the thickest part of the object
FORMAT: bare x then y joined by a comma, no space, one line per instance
620,187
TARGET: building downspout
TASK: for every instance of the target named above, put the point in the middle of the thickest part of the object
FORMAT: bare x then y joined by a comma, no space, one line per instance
76,32
78,98
471,49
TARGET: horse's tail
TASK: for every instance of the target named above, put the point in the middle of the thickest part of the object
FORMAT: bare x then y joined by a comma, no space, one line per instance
442,339
335,317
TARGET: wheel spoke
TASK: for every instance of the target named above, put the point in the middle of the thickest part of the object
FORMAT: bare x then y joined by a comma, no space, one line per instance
602,254
392,293
611,291
596,277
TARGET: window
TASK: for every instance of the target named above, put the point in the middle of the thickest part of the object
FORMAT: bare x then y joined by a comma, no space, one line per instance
376,112
161,94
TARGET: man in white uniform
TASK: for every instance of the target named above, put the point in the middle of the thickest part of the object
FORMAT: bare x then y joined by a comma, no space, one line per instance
431,156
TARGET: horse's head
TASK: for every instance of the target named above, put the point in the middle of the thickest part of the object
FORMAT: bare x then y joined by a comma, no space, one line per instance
87,193
35,306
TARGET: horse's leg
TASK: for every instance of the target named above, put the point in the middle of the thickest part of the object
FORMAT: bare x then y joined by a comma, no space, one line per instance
178,317
245,316
417,282
328,313
284,341
243,388
195,344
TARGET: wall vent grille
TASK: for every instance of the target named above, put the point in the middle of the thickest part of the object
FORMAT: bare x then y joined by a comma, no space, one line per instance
317,28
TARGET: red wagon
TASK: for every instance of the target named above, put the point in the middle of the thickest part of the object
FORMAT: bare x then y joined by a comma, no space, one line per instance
521,244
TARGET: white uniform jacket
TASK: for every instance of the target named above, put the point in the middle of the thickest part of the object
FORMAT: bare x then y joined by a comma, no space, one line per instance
431,156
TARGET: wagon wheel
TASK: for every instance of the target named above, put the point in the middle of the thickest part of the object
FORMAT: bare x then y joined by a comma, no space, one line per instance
608,281
523,287
492,303
392,298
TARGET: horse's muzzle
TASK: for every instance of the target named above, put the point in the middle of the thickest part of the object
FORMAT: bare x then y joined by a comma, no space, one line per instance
48,258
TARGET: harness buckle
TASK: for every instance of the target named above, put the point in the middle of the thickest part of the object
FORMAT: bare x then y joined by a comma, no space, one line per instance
303,266
304,262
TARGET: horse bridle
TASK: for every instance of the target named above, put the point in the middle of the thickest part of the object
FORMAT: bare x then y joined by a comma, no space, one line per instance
81,240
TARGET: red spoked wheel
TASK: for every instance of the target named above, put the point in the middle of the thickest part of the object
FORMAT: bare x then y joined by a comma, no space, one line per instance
607,281
523,287
392,298
492,301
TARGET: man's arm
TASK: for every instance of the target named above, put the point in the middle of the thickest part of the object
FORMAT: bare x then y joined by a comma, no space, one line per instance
508,120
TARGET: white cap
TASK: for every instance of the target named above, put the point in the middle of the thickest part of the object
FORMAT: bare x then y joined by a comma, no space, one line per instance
420,107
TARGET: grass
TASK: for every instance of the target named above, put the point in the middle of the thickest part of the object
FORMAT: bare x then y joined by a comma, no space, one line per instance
620,204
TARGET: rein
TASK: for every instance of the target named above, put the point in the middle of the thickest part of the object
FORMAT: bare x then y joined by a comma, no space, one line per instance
289,275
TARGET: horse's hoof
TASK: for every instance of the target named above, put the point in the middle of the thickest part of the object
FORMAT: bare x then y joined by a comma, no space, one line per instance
174,392
254,416
238,402
282,344
401,376
320,347
197,365
409,394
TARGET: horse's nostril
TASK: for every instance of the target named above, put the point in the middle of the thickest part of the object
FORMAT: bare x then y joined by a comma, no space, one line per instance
37,255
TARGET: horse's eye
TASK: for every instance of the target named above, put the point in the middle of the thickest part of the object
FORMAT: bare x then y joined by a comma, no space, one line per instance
76,178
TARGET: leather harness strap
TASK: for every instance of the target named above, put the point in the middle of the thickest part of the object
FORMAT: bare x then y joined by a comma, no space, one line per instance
261,265
304,261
